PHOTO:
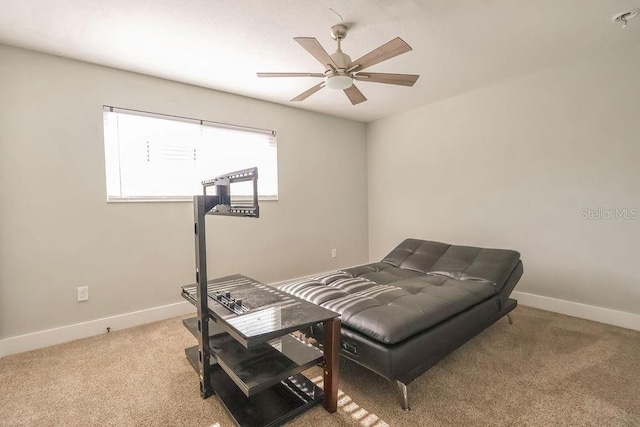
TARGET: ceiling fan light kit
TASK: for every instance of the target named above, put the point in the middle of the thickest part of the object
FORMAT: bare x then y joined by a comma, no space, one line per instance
340,71
338,82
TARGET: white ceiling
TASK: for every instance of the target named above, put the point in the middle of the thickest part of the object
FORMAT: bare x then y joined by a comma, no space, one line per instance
458,45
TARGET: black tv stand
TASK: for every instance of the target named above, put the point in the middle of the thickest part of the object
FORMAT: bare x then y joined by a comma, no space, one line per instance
255,365
245,353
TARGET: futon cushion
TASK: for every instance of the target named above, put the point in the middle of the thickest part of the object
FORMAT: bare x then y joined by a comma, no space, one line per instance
425,257
391,313
381,272
418,285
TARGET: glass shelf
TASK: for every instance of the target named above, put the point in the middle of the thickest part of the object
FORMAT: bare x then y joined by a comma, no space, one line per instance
271,407
262,366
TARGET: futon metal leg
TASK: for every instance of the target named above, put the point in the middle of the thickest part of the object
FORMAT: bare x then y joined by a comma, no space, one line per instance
509,319
404,394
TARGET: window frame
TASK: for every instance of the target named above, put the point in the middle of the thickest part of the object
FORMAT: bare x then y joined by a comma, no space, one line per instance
157,199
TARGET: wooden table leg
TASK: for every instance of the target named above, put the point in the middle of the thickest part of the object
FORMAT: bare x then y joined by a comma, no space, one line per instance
331,363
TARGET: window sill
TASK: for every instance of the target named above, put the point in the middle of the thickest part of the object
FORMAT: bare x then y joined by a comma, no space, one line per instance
156,199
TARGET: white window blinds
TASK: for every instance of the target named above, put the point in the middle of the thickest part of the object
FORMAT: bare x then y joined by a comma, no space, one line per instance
154,157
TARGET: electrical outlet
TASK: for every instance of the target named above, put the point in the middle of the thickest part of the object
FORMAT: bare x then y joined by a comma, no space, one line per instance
334,253
83,293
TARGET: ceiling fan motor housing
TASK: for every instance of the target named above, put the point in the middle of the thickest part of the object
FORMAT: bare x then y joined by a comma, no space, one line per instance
341,59
339,78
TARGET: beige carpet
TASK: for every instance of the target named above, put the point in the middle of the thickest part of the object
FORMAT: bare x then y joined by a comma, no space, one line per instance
545,369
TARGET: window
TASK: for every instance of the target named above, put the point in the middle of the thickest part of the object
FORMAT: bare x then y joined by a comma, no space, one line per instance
151,157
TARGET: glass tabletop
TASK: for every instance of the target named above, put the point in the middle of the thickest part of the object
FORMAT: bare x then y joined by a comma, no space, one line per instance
266,311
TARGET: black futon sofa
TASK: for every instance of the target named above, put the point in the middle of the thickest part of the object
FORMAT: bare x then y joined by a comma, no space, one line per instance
402,315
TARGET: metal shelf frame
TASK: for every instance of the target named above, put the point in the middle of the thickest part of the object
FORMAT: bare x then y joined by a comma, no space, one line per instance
267,401
217,204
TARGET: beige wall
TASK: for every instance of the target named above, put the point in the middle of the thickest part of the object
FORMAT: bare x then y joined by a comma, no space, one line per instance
513,165
57,232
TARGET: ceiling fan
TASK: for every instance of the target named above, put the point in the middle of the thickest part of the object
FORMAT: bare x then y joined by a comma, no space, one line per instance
341,71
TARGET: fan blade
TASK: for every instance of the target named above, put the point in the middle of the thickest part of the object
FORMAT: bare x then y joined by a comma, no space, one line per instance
314,47
290,74
388,78
354,95
388,50
304,95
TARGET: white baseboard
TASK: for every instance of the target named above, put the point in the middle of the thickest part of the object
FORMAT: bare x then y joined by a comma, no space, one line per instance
583,311
68,333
